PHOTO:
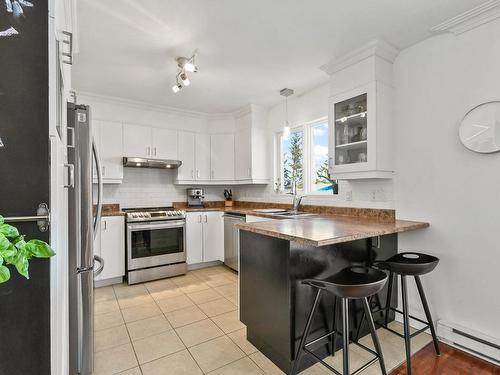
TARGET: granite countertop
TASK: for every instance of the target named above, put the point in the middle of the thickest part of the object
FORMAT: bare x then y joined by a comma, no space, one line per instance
319,230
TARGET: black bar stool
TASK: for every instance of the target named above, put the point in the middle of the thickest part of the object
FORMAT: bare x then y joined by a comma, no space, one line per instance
351,283
407,264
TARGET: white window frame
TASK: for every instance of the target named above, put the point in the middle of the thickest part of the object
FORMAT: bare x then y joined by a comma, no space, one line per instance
307,162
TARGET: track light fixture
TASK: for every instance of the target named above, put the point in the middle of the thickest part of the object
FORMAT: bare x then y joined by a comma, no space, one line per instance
185,65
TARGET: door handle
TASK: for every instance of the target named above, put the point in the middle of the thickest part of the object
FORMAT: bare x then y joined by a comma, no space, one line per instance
148,150
206,219
104,170
192,173
71,176
197,173
154,151
105,224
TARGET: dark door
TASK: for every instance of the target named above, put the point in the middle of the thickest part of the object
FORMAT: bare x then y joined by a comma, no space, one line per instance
24,182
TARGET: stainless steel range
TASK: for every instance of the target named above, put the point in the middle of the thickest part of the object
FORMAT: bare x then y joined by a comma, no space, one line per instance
156,240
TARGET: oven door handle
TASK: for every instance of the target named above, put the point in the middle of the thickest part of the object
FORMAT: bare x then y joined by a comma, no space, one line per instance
174,224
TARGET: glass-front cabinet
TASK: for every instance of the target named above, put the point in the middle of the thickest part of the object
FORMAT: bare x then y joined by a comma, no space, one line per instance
360,125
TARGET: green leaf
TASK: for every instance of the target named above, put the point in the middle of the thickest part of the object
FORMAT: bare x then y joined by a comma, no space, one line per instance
4,243
4,274
9,230
39,249
2,220
1,260
22,265
9,253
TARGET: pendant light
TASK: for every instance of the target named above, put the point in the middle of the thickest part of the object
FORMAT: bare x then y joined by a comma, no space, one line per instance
286,128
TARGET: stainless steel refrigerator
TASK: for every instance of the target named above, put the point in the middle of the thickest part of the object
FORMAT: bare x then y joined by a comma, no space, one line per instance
83,225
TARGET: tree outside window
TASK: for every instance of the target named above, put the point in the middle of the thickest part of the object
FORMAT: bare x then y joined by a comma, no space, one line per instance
293,160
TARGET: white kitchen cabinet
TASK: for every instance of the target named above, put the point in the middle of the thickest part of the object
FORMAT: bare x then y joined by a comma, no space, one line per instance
222,157
250,156
186,155
149,142
204,237
110,246
164,144
111,151
202,156
136,141
213,236
361,133
109,142
194,238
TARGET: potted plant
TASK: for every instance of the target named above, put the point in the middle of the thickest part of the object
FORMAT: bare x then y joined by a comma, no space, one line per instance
17,252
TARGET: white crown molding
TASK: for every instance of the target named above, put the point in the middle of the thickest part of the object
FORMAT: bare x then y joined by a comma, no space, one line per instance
470,19
170,110
376,47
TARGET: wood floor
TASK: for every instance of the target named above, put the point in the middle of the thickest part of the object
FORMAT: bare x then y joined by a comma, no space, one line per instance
451,362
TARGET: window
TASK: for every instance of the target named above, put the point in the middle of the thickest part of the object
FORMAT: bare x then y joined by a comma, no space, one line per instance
292,156
303,157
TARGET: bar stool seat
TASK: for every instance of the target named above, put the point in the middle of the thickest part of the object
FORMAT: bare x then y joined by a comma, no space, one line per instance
354,282
409,263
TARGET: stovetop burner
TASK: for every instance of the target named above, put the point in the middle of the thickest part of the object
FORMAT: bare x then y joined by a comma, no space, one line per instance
153,214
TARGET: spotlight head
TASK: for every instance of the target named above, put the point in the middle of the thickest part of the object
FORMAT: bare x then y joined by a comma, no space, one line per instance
176,88
184,79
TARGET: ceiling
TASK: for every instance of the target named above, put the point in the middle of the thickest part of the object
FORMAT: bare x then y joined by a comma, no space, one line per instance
248,50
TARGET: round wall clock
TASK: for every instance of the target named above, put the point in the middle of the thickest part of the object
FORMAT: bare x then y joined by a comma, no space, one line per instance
480,128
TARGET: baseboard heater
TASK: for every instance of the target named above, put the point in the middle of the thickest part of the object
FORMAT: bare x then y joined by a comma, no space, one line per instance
475,343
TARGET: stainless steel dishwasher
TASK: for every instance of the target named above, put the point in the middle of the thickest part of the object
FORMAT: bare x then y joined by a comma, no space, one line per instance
232,239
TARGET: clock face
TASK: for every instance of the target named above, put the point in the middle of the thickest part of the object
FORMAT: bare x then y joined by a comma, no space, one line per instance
480,128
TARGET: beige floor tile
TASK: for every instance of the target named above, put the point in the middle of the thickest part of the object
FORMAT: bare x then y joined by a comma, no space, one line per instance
317,369
228,322
217,307
239,337
132,371
107,338
174,303
105,307
228,289
155,285
204,296
244,366
134,313
129,301
216,353
125,290
195,286
357,358
180,363
234,299
216,280
154,347
148,327
104,294
166,292
185,316
108,320
114,360
185,279
265,364
199,332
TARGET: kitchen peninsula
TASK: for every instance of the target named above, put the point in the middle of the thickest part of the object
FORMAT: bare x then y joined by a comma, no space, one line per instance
275,256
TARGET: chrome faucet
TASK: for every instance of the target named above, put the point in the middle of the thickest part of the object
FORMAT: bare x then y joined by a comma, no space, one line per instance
297,199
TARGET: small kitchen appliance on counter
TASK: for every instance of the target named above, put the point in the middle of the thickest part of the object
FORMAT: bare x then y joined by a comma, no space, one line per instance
195,197
156,240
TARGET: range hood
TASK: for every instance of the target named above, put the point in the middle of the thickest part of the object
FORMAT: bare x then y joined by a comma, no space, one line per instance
151,163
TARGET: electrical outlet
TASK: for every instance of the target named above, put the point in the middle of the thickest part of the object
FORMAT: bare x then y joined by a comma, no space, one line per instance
348,195
373,195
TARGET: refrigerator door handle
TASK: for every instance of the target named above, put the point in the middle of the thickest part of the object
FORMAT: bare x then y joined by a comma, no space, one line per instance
97,220
99,260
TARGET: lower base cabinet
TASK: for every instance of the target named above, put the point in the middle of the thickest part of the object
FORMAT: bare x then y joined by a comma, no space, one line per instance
204,237
110,246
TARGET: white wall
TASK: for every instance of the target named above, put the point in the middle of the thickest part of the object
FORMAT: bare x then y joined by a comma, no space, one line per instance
303,108
151,187
440,181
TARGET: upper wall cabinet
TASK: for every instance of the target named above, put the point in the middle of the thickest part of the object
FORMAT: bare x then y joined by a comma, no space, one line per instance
186,146
147,142
202,157
222,157
250,160
361,133
108,138
360,113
